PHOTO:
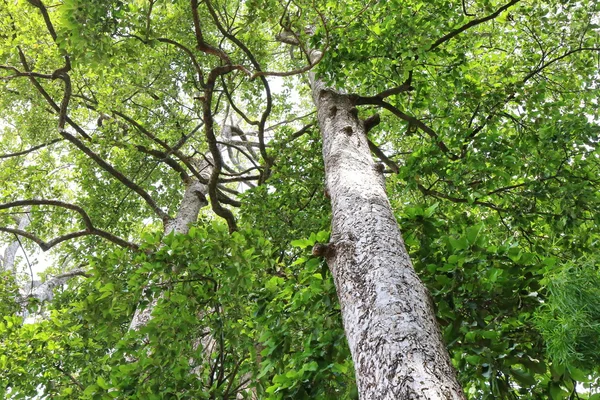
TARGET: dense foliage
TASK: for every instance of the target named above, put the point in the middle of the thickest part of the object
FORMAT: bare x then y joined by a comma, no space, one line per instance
489,141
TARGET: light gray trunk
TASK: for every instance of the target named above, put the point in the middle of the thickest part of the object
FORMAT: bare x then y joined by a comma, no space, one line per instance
193,200
388,316
8,262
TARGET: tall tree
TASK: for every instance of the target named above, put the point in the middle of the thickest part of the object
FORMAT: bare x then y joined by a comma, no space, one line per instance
131,116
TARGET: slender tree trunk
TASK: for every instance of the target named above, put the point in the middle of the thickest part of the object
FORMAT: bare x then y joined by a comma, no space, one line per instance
388,316
8,262
193,200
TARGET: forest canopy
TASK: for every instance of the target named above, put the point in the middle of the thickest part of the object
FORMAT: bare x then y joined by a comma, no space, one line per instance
216,188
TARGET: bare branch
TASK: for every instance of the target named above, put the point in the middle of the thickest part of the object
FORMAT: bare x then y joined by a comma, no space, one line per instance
44,291
214,146
45,245
386,160
471,24
90,228
261,125
115,173
410,119
11,250
201,44
32,149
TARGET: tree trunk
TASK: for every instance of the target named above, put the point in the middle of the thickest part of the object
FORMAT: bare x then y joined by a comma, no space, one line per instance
8,262
193,200
388,316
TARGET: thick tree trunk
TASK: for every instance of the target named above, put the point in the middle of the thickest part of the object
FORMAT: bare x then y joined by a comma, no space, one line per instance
388,316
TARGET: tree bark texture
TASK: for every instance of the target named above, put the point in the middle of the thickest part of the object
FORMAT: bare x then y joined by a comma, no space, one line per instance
396,345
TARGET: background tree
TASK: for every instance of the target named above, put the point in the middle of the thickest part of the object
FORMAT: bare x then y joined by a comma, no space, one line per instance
118,116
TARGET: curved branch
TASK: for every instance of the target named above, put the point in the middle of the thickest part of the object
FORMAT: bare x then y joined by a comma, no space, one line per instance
190,55
90,228
201,44
39,5
238,148
235,108
48,98
45,245
223,198
257,67
44,291
471,24
566,54
214,146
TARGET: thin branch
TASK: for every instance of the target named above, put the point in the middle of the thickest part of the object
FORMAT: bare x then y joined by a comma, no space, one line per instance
386,160
566,54
26,259
238,148
437,194
214,146
289,121
21,153
410,119
471,24
75,381
48,98
45,245
117,174
90,228
261,125
190,55
314,56
170,150
301,131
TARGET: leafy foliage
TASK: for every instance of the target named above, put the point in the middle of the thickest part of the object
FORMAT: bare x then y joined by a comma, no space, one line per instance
494,135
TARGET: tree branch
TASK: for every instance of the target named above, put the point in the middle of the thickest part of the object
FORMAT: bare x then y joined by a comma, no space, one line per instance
386,160
214,146
90,228
201,44
261,125
471,24
34,148
115,173
408,118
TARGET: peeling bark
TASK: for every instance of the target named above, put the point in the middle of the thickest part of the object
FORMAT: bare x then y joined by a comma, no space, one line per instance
388,316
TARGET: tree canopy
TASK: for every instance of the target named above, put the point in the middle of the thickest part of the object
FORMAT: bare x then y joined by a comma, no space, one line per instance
483,115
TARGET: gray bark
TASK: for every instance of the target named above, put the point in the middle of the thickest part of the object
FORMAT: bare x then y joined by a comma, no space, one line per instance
193,200
8,261
387,313
44,291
